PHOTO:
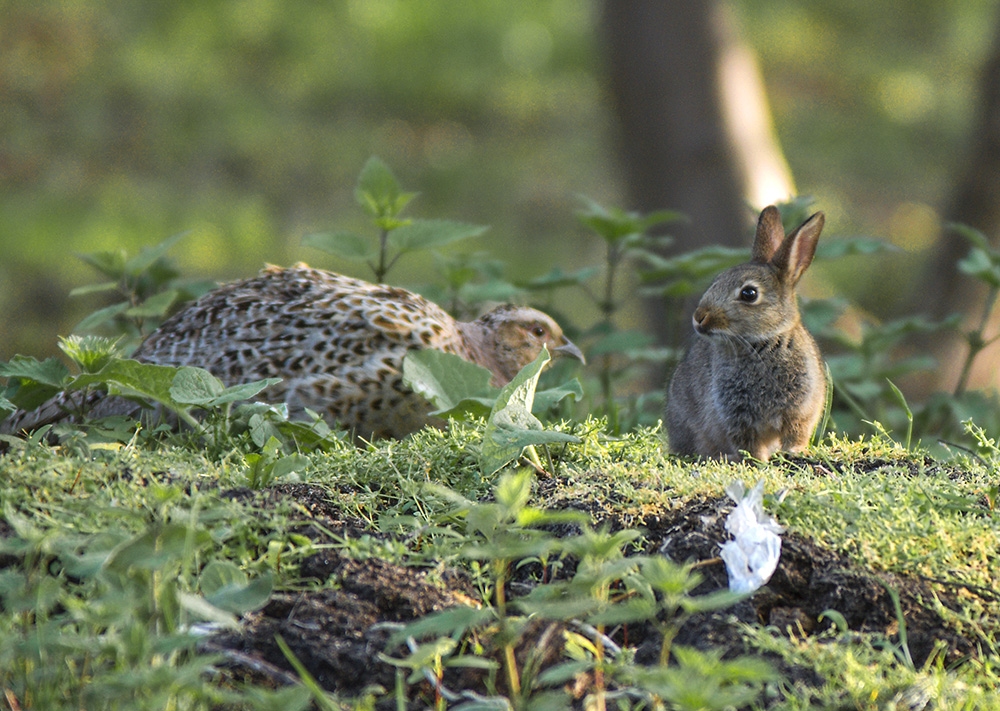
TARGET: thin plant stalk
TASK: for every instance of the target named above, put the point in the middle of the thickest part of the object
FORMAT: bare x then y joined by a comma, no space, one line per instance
976,342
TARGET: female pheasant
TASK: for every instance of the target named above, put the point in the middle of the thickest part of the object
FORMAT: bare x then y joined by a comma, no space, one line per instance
337,344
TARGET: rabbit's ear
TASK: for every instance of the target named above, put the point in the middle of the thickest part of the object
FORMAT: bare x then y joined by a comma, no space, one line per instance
796,252
769,235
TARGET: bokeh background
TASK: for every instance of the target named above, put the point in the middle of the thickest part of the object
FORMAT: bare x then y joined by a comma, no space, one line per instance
246,122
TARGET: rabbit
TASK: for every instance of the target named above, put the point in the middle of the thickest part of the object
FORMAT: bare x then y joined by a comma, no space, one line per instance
753,379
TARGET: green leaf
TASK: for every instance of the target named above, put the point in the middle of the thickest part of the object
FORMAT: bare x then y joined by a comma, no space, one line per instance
90,353
133,378
101,316
688,272
195,386
155,547
203,610
50,371
286,465
981,265
511,427
348,245
970,233
155,306
218,574
427,234
243,391
110,264
378,192
625,612
94,288
447,381
148,255
239,595
547,399
450,622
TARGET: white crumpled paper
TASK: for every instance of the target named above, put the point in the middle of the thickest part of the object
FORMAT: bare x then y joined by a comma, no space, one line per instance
752,556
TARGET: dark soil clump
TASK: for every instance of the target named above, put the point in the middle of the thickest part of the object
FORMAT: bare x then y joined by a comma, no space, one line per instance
338,630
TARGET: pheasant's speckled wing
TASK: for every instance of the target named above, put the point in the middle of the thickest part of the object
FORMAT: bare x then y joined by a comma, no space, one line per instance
337,343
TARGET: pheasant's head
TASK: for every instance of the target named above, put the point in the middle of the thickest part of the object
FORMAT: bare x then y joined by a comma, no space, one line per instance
515,335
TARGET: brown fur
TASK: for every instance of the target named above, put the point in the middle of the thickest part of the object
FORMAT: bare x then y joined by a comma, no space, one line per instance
752,380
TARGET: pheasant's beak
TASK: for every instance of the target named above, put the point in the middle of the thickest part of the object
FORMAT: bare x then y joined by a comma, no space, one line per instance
569,349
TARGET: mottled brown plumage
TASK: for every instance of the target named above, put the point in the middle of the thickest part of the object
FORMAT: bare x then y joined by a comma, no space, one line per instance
337,343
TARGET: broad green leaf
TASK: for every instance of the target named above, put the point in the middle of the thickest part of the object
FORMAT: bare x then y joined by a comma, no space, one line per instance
449,622
133,378
426,234
378,192
718,600
695,265
218,574
243,391
511,427
90,353
972,234
155,306
154,547
513,491
632,610
547,399
445,379
660,217
148,255
195,386
205,611
978,264
348,245
50,371
559,674
110,264
102,316
508,548
565,608
242,596
6,405
292,463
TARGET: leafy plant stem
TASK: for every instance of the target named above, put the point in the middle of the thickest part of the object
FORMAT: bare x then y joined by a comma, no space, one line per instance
607,307
383,247
510,661
976,341
906,408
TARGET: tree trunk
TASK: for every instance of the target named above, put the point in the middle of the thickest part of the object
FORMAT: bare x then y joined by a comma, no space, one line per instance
696,134
975,202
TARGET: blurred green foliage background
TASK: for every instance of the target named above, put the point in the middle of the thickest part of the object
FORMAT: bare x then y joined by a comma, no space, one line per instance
247,121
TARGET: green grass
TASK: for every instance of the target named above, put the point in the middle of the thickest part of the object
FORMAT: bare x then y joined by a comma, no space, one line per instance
66,513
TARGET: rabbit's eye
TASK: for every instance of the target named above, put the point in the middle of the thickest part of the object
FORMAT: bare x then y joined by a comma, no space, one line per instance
748,294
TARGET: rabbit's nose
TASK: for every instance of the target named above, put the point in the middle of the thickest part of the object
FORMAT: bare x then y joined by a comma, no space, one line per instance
702,320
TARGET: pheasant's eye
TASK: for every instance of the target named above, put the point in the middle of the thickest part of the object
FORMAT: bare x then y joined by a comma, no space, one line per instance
749,294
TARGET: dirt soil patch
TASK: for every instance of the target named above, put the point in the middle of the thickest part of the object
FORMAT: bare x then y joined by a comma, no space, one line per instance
339,630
